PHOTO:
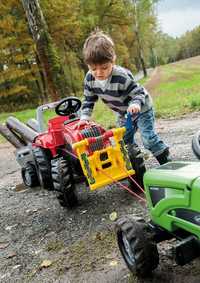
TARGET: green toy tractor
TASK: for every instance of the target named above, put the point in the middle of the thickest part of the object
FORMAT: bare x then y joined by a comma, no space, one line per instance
173,197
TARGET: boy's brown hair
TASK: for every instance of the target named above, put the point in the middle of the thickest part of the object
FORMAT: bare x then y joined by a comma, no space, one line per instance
98,48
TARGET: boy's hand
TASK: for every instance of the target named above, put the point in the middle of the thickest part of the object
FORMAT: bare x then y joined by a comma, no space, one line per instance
134,108
81,123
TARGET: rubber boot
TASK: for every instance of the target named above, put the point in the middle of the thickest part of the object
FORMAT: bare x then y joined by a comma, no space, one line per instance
164,157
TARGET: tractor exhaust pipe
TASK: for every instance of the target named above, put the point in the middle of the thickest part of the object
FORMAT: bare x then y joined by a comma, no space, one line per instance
18,128
11,137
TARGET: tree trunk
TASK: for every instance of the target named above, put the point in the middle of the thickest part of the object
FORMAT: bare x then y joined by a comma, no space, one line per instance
44,94
51,67
140,54
139,46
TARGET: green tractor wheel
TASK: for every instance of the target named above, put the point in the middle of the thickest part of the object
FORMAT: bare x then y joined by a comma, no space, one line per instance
137,247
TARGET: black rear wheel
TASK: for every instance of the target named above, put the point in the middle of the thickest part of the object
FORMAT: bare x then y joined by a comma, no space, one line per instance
63,182
135,241
137,161
43,166
29,175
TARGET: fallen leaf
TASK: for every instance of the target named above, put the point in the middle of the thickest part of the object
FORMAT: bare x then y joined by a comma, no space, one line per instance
98,236
46,263
20,188
113,216
113,263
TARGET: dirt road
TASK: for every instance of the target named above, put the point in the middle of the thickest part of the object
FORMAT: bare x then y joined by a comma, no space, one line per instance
42,242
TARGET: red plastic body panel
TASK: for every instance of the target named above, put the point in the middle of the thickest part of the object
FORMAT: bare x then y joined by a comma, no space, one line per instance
61,131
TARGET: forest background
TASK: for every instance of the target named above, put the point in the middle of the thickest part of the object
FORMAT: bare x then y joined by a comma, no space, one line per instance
27,79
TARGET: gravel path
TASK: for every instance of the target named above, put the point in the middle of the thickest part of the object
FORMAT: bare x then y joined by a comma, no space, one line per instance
42,242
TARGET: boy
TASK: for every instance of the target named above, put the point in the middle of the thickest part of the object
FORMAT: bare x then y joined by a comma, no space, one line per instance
116,87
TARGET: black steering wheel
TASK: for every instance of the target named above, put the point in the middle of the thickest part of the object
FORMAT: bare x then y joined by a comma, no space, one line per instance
68,106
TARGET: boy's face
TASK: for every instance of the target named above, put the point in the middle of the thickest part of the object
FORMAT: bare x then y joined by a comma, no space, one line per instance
101,71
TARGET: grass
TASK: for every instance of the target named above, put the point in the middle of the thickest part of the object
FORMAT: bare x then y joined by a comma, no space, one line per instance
24,116
179,90
103,115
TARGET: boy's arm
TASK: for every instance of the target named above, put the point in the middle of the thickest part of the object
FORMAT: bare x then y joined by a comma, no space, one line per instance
136,93
88,102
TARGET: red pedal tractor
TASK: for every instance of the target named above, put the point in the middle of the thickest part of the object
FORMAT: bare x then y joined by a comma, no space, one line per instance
69,153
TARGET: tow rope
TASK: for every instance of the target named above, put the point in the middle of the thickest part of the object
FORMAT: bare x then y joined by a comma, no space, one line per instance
125,187
118,182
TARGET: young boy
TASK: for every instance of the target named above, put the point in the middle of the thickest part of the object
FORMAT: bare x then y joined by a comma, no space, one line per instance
117,88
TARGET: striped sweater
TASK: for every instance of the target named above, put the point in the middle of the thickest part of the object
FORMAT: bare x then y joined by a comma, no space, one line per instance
119,92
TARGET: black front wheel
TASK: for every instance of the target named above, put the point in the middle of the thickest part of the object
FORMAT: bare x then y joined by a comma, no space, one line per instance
63,182
135,241
43,166
29,175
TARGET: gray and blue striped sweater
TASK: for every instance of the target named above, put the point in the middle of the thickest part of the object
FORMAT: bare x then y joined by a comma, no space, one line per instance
119,92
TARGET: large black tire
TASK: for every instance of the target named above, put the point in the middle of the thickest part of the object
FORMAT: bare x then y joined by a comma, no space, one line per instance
43,166
63,182
29,175
137,161
135,241
196,144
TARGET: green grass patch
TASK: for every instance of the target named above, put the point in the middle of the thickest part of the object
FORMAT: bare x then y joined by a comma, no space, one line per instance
103,115
24,116
178,90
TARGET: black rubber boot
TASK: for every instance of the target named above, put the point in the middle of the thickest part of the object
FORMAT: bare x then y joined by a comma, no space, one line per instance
164,157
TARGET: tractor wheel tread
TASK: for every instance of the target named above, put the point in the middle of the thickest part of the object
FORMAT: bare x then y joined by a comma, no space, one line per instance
141,256
43,165
63,182
29,175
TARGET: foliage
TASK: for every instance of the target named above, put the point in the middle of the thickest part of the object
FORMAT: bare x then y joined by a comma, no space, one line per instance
69,23
131,23
18,71
189,44
166,49
169,49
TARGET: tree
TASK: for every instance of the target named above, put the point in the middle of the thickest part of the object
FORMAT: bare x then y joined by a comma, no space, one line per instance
46,51
53,66
144,29
18,73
